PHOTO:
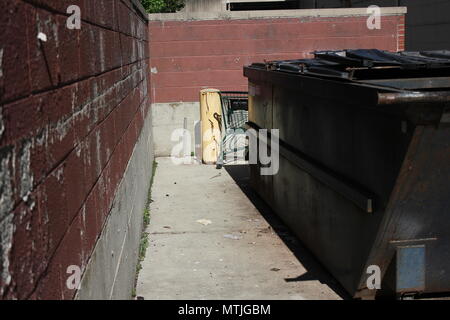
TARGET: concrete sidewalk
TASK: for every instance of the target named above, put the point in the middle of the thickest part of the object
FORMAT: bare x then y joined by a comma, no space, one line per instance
244,253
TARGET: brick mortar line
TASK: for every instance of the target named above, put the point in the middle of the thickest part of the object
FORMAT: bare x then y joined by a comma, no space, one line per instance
44,273
38,93
109,214
56,12
83,139
55,167
98,123
231,55
79,109
265,39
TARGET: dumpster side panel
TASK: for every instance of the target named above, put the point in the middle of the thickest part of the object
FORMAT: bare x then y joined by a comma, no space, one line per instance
328,224
359,147
363,146
334,229
364,170
260,113
311,209
419,209
260,100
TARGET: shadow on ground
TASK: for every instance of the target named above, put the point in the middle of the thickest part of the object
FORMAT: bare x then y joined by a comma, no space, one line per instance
315,271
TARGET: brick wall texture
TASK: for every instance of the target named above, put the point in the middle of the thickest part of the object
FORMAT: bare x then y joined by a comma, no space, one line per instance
189,55
71,111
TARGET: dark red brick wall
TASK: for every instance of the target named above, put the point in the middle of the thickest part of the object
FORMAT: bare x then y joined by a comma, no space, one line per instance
71,110
189,55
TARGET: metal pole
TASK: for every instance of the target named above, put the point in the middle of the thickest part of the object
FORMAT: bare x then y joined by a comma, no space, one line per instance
413,97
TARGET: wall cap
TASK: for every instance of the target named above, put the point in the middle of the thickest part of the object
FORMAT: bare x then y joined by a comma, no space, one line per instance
270,14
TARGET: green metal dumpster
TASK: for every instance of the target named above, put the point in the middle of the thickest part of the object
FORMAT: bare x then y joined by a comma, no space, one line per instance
364,168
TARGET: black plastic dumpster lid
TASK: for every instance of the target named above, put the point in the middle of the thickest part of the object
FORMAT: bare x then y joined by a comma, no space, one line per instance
368,64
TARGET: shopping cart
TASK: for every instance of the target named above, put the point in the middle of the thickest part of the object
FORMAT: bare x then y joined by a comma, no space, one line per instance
234,118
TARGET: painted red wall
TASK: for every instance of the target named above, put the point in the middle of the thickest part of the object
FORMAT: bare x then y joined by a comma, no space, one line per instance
190,55
71,111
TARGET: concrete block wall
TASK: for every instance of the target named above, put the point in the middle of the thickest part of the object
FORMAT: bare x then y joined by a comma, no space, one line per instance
191,51
72,110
